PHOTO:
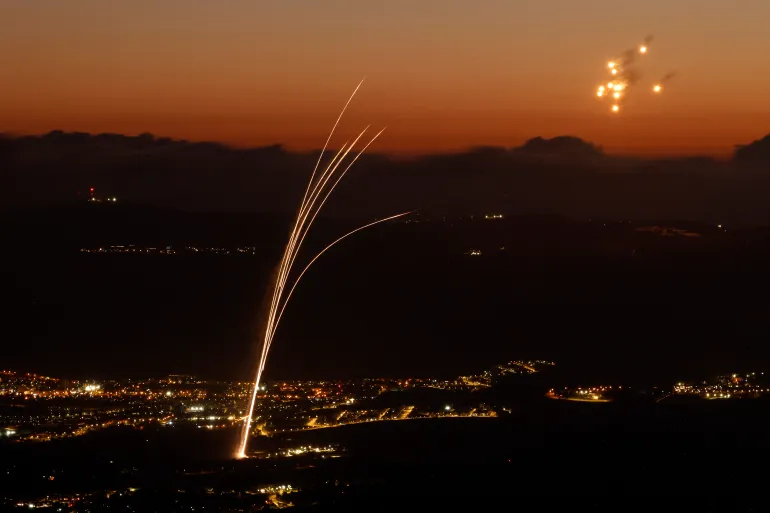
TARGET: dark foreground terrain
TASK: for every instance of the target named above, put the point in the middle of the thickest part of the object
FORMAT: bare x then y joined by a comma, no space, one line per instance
615,300
702,455
608,302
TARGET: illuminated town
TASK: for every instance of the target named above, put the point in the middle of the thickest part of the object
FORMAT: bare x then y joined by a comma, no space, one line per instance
289,417
752,385
40,408
728,386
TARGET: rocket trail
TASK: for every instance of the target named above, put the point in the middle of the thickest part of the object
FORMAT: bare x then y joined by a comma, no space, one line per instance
326,144
316,193
296,282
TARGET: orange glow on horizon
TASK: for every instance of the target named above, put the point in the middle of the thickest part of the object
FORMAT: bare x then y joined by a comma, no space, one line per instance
253,74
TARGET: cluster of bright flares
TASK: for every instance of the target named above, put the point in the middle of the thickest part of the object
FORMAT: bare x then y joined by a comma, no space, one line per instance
318,190
620,77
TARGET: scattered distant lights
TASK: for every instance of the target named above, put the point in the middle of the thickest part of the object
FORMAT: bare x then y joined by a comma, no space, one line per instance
94,199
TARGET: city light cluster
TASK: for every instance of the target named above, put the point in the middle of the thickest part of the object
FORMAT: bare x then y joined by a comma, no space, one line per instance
728,386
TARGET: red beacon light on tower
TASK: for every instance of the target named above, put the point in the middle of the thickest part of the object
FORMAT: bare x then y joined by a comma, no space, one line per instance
92,197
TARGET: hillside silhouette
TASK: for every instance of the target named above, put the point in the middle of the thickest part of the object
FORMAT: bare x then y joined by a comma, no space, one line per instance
758,152
562,175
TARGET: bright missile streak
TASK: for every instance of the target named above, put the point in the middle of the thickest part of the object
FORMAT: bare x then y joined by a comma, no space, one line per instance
304,206
301,228
313,219
327,248
283,271
314,198
242,450
291,245
274,321
277,291
334,185
292,248
326,144
303,203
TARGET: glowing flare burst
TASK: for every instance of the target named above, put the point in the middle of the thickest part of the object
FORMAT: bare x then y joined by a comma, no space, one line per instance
317,192
623,75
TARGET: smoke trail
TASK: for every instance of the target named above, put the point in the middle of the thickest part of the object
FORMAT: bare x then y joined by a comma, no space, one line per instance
632,77
631,55
667,77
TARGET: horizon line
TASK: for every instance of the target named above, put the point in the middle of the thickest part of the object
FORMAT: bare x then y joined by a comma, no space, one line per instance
651,153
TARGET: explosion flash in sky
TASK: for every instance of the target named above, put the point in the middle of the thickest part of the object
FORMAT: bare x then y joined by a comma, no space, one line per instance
318,190
624,76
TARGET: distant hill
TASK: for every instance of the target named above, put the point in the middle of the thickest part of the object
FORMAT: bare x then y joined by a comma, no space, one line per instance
757,151
562,146
563,175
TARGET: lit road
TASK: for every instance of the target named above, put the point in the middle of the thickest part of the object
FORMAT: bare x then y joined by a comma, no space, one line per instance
369,421
551,395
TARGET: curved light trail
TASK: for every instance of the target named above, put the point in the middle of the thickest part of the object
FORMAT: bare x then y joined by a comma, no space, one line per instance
318,188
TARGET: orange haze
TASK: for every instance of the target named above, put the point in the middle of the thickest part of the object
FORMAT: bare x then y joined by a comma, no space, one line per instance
441,75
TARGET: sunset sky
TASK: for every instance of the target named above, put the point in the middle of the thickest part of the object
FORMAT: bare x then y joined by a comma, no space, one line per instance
441,75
